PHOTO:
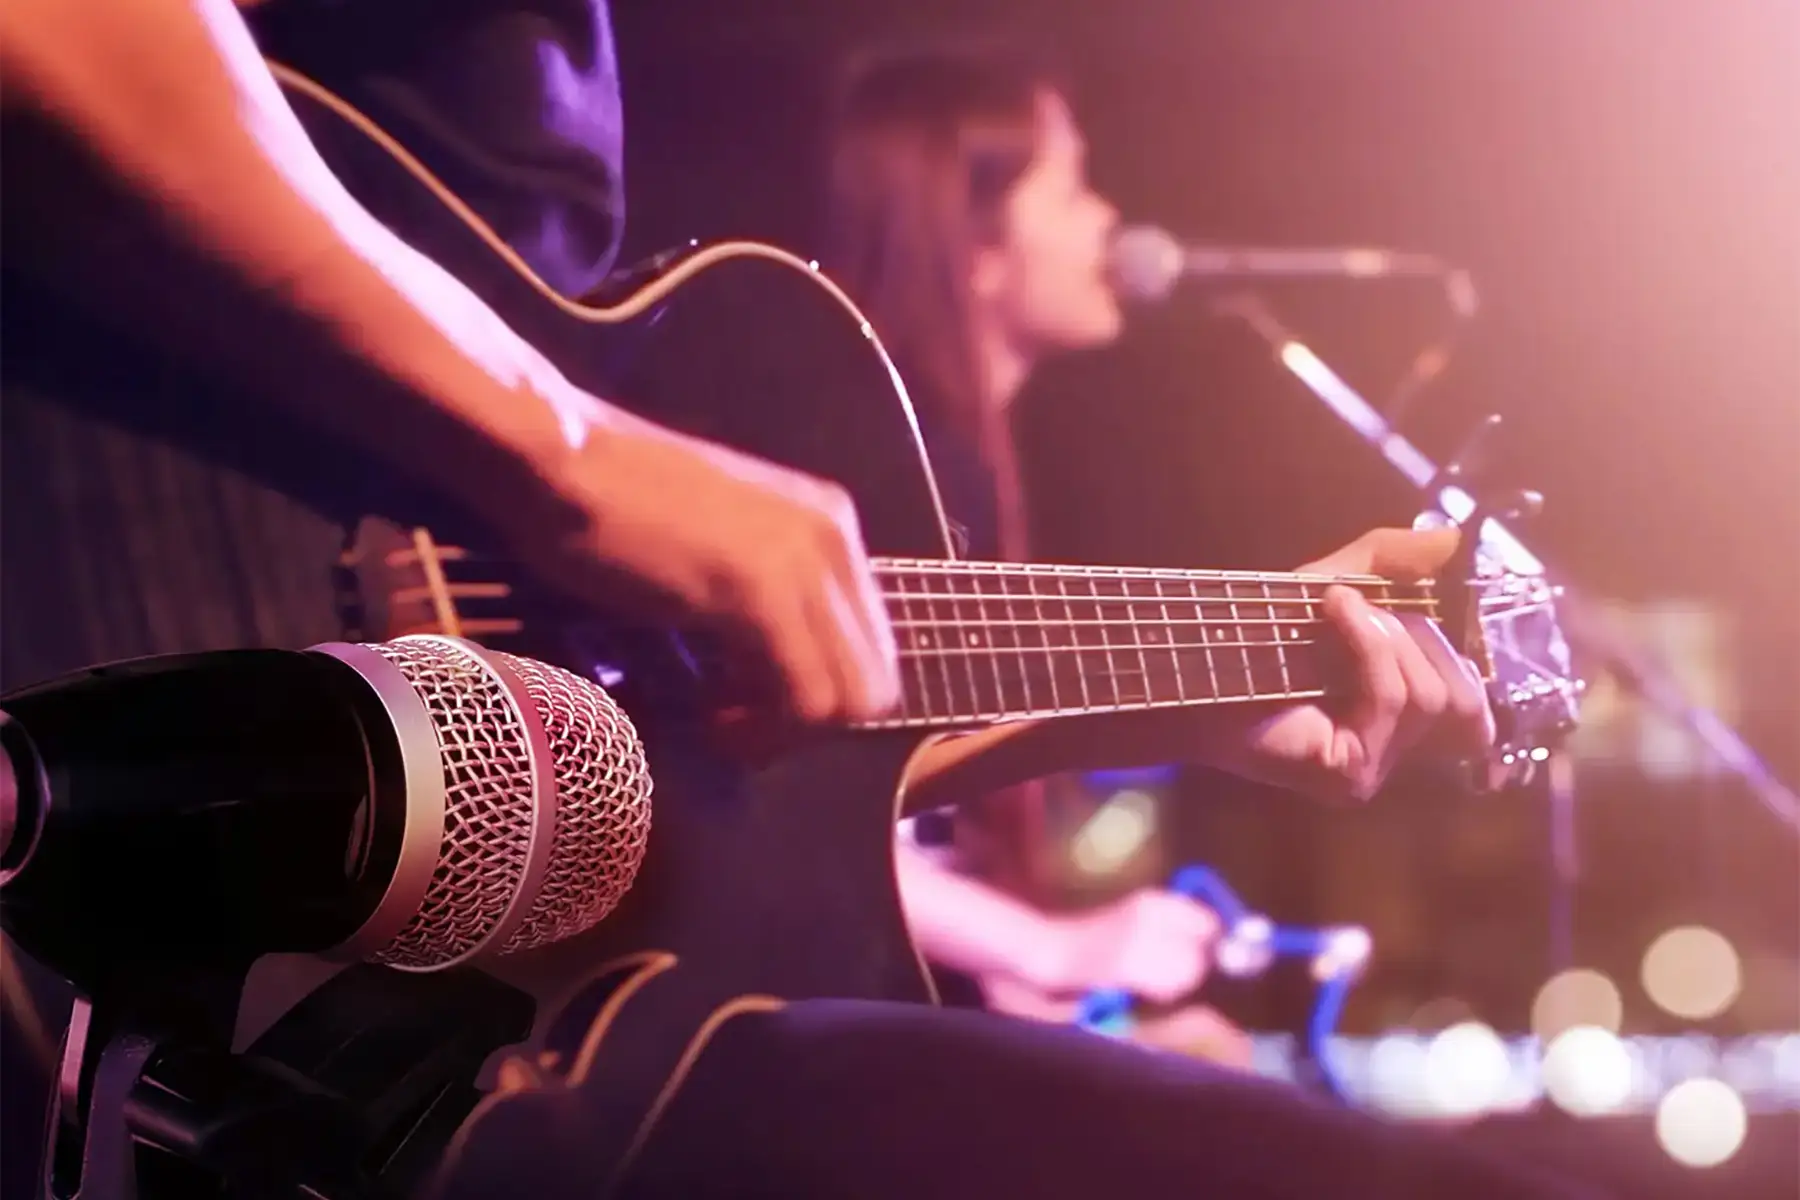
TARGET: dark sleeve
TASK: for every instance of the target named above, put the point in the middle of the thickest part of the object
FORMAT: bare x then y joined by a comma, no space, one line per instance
515,104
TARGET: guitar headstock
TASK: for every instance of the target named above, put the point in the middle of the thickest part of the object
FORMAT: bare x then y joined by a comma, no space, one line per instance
1510,629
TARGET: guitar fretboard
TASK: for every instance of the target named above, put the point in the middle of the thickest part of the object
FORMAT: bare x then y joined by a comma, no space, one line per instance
981,642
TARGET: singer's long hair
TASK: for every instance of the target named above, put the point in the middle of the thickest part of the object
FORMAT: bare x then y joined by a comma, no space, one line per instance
926,144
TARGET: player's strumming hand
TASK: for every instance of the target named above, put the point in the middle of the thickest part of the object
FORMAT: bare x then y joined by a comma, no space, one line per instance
702,531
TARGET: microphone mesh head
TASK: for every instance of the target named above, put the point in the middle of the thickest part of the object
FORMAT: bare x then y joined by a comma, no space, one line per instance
494,800
1145,262
603,804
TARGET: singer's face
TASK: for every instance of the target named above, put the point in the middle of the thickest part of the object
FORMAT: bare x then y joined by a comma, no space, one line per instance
1046,282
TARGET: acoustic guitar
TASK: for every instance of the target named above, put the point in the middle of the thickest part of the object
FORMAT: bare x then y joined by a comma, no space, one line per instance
774,882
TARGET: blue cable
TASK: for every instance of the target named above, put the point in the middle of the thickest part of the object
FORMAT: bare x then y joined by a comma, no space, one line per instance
1253,942
1328,1009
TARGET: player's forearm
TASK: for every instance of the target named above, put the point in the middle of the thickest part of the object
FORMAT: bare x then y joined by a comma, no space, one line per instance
194,172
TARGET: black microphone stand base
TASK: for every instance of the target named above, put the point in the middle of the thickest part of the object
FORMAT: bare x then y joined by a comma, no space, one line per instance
352,1095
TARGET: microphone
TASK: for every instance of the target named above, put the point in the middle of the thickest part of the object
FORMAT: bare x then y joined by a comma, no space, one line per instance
420,803
1146,263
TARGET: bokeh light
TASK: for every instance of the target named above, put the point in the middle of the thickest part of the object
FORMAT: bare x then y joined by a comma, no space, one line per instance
1115,833
1399,1070
1466,1070
1587,1071
1692,972
1701,1122
1576,997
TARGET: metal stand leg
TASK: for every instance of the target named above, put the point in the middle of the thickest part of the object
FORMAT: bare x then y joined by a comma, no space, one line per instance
1565,862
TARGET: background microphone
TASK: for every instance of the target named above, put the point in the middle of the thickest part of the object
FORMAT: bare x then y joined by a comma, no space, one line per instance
420,803
1146,263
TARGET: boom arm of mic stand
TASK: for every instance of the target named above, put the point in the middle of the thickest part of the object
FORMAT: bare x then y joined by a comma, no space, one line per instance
1634,667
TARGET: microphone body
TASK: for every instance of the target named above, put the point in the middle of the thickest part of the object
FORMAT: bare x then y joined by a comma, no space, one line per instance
1147,263
420,803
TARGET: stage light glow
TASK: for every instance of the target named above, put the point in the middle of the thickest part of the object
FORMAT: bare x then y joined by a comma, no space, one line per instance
1692,972
1466,1070
1587,1072
1117,830
1701,1123
1398,1074
1577,997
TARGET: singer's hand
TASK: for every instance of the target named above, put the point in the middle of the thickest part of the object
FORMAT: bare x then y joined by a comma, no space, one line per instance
1154,944
774,554
1414,691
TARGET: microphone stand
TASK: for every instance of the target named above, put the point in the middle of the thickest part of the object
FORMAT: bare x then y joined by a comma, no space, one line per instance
1631,665
350,1096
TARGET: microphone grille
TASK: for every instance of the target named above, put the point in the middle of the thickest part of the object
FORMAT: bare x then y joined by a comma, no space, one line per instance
491,803
494,886
603,804
1145,262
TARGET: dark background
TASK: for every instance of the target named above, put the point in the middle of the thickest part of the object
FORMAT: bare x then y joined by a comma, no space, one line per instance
1622,177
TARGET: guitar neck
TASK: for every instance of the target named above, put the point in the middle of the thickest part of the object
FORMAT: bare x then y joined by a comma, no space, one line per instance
983,642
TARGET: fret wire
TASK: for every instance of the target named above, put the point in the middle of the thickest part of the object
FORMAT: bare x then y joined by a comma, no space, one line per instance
924,680
1105,638
919,663
943,662
966,641
1169,630
1243,650
1307,596
1137,638
1000,704
1212,669
1280,647
1062,590
1024,675
1037,607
